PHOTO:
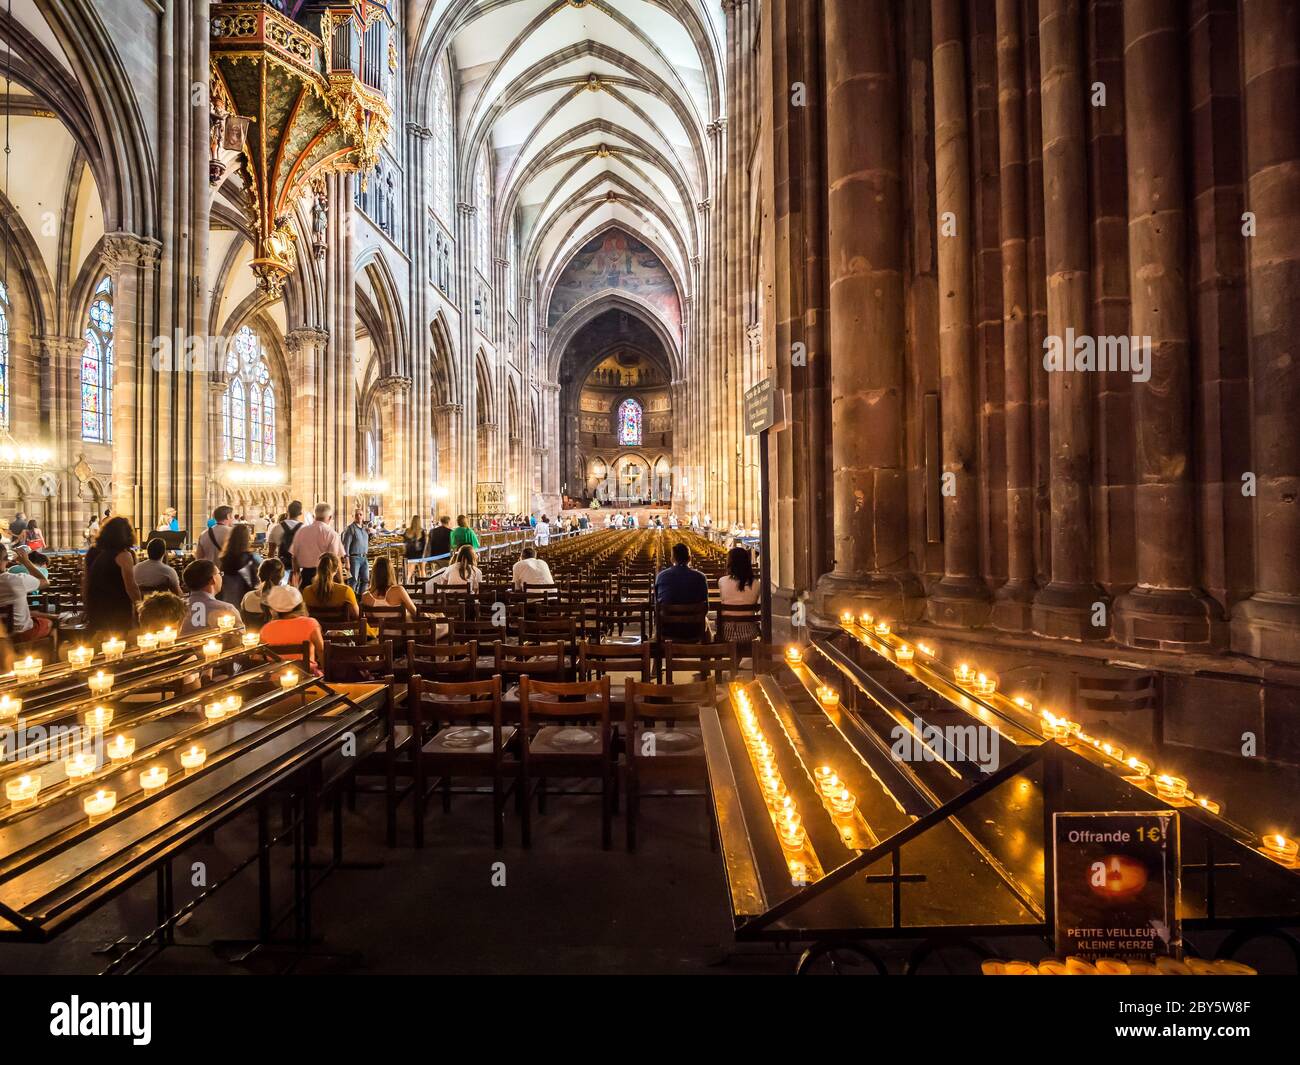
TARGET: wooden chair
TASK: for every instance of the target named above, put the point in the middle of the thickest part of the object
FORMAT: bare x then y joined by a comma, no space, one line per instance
349,663
618,619
601,659
443,661
664,746
687,622
485,632
544,660
572,739
741,625
404,630
550,630
447,719
721,660
333,615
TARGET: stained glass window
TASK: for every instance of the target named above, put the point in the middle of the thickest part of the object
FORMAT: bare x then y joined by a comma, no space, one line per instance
629,422
483,217
4,357
442,143
97,368
248,407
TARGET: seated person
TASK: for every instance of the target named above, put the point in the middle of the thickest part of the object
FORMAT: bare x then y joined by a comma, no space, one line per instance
290,627
153,574
530,570
386,591
462,571
680,585
15,587
270,574
327,590
37,559
162,610
202,607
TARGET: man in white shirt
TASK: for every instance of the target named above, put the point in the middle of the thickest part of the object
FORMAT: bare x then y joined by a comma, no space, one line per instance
314,540
214,537
542,534
530,570
14,590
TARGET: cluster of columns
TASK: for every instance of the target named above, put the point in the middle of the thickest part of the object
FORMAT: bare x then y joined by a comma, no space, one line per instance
1004,176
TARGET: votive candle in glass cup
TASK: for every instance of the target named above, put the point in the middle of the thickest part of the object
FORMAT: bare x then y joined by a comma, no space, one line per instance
822,773
289,679
828,697
1209,805
846,617
1139,768
79,657
166,637
147,641
226,622
984,684
1169,786
212,649
79,765
10,707
865,619
1282,847
100,683
193,756
99,718
21,791
28,668
843,802
882,627
904,652
828,785
120,748
1111,751
113,648
100,804
153,778
793,655
964,674
251,639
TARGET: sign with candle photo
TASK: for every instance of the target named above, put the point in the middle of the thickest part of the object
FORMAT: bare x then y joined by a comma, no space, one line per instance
1117,884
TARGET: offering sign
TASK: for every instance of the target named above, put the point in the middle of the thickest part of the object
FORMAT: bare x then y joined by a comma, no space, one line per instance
1116,881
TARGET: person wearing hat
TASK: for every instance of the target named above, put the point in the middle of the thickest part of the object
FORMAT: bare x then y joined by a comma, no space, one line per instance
290,627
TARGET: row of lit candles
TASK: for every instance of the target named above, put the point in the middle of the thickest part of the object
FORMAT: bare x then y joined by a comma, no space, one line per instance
1167,785
834,791
781,805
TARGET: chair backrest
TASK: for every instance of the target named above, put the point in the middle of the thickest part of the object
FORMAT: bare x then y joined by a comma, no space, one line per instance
443,661
432,701
682,621
402,631
351,663
483,631
541,700
549,630
645,701
377,614
538,659
715,658
599,659
330,614
292,652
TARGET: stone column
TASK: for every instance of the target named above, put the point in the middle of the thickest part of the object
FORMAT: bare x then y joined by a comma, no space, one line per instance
961,598
1267,625
866,327
1066,607
307,346
1012,608
1162,610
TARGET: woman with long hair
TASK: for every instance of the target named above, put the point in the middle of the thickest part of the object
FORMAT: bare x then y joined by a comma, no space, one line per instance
270,574
463,570
238,565
385,590
738,587
108,586
327,590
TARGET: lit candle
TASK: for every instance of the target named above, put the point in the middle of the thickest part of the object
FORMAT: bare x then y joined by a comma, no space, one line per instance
984,684
193,757
864,619
1170,787
903,652
1208,804
828,697
166,637
215,711
28,668
80,657
147,641
1281,847
1023,703
793,655
1061,731
882,627
821,773
790,828
288,679
798,874
79,765
925,649
964,673
1140,768
226,622
829,784
843,802
22,791
846,617
120,748
100,683
212,649
113,648
153,778
101,803
99,718
10,705
251,639
1112,751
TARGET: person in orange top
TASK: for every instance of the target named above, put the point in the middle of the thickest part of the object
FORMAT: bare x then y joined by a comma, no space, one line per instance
290,627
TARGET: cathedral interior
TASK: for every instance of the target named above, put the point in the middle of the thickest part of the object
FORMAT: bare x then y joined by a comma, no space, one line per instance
972,324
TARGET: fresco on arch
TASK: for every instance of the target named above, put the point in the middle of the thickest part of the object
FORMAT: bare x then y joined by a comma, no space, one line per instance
616,260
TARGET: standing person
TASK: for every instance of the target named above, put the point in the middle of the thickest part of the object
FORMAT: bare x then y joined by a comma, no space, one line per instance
463,534
214,537
167,521
92,531
238,565
542,534
33,538
279,538
153,574
356,542
17,526
312,541
108,586
413,544
439,541
16,584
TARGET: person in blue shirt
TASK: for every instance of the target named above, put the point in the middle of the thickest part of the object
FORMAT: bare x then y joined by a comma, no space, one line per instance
680,585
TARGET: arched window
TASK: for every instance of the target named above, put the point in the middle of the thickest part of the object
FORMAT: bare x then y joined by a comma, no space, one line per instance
4,356
442,144
97,368
629,422
248,407
483,216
